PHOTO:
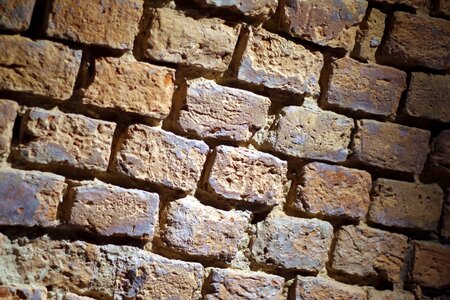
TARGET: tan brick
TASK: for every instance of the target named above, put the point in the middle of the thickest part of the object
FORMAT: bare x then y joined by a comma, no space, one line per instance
30,198
8,113
199,230
63,139
374,294
204,43
251,8
111,210
406,205
107,23
430,265
369,255
333,191
292,243
248,175
161,157
16,14
369,88
23,292
405,46
320,288
274,62
428,97
236,284
131,86
309,132
391,146
418,4
38,67
445,219
369,35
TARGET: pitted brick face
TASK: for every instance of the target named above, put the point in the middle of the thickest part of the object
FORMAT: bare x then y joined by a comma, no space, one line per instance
16,14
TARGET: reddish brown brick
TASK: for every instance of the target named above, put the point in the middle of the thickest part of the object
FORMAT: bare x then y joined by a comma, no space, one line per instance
373,294
321,288
8,113
250,8
369,35
16,14
23,292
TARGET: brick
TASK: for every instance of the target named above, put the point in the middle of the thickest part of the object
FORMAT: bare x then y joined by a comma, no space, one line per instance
369,88
440,149
111,210
276,63
320,288
292,243
391,146
107,23
72,296
16,15
442,8
333,191
248,176
39,67
23,292
374,294
8,113
309,132
198,230
369,35
157,156
369,255
417,4
319,23
72,140
408,29
236,284
428,97
430,265
215,111
445,219
30,198
250,8
406,205
131,86
208,44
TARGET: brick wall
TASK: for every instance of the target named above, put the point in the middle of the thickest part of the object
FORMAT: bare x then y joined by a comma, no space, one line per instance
203,149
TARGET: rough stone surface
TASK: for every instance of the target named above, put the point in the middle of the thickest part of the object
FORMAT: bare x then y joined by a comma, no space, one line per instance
373,294
66,139
111,210
248,175
204,43
367,254
23,292
160,157
37,67
417,4
215,111
292,243
274,62
16,15
369,88
107,23
405,46
445,219
333,191
8,113
440,149
320,288
199,230
128,85
234,284
430,266
309,132
30,198
406,205
369,35
391,146
72,296
251,8
428,97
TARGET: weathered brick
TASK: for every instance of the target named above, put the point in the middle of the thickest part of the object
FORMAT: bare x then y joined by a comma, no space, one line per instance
319,23
204,43
417,4
16,14
406,205
107,23
369,35
373,294
128,85
111,210
309,132
251,8
320,288
199,230
274,62
445,219
428,97
23,292
440,149
161,157
369,88
248,175
66,139
8,113
30,198
369,255
72,296
391,146
333,191
405,46
430,265
236,284
292,243
38,67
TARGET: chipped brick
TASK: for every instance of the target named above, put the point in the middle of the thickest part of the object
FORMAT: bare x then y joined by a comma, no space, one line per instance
320,288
